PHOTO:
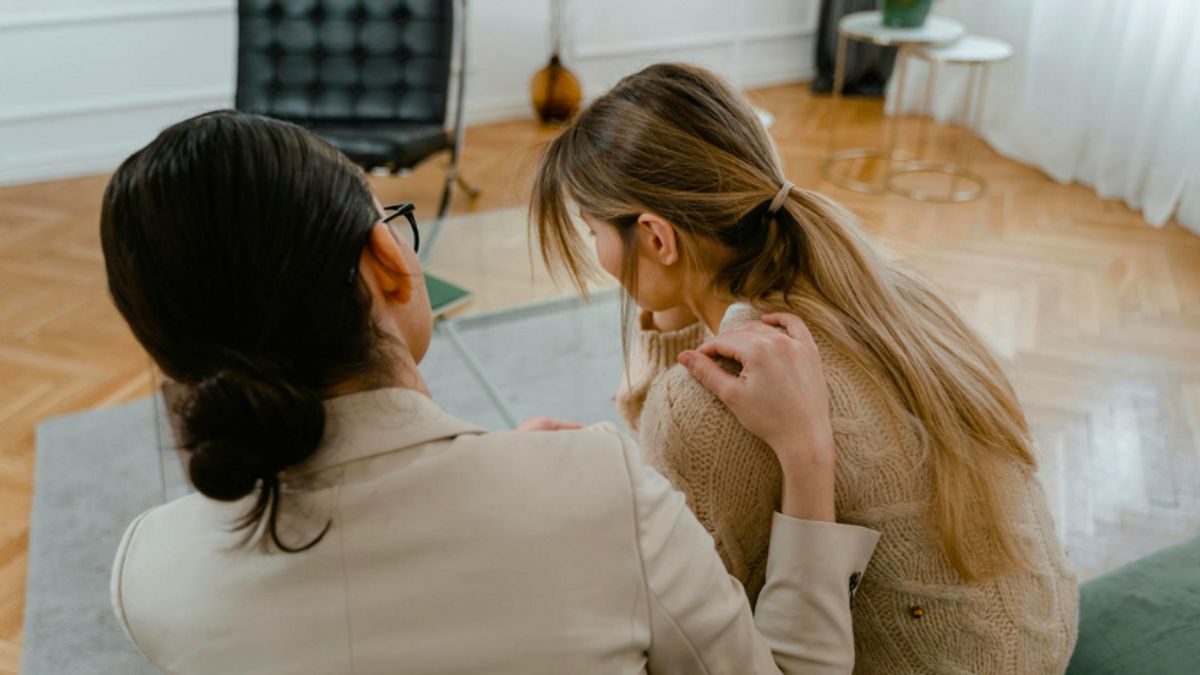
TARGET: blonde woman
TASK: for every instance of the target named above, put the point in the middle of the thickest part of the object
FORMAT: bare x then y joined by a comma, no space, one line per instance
683,192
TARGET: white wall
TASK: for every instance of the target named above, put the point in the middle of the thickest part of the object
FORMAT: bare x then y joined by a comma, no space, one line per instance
83,83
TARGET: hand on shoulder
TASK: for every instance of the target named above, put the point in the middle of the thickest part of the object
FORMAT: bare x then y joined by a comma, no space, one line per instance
779,396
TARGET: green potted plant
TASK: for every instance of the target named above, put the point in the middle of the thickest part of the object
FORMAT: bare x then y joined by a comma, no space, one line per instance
905,13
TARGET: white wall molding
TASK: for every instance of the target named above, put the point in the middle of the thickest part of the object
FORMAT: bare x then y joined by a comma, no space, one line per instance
85,153
119,12
93,80
499,109
775,74
659,45
54,165
115,103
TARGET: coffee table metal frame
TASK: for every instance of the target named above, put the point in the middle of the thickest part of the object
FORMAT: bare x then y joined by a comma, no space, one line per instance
861,26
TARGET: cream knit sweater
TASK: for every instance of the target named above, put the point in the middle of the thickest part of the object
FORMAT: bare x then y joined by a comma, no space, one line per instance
912,613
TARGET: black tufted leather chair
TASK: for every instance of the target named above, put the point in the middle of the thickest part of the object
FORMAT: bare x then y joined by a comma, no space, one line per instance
371,76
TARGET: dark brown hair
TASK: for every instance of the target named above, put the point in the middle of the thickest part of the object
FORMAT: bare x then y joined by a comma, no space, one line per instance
229,242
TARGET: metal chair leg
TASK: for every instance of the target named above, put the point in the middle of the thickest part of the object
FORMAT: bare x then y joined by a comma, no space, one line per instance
471,191
452,176
443,208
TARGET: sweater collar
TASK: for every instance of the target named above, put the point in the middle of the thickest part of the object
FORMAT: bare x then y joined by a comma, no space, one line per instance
737,315
380,421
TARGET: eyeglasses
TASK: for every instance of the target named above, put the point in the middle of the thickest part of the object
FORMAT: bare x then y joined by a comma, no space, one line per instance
406,209
395,211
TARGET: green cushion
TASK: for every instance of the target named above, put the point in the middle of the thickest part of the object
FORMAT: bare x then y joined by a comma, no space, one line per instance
1142,618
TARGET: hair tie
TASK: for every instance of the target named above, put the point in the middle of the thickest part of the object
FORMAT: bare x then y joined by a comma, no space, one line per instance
780,196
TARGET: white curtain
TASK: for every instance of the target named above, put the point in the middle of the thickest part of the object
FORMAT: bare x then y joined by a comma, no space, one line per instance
1104,92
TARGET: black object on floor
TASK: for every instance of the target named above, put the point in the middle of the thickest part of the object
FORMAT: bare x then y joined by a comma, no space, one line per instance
867,66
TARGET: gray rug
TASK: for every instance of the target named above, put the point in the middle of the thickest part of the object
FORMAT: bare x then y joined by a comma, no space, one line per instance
96,471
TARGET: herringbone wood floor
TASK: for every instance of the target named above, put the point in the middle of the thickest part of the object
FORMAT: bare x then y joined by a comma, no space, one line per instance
1097,313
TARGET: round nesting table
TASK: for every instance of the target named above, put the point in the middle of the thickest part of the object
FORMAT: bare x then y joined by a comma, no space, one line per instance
977,53
868,27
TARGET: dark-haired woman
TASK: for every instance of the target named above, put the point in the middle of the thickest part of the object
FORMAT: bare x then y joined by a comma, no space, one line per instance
345,524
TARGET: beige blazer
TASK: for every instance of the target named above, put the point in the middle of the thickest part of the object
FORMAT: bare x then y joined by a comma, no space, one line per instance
453,550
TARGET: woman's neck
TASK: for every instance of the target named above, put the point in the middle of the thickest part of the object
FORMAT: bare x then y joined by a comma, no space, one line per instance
710,308
402,373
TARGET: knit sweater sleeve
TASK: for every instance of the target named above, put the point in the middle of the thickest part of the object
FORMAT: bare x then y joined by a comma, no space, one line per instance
730,478
653,353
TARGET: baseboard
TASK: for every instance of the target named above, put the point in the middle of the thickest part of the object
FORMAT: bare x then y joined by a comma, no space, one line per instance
58,167
519,108
88,142
54,166
498,110
770,76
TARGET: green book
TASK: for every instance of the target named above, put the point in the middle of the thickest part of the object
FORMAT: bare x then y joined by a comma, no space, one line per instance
445,296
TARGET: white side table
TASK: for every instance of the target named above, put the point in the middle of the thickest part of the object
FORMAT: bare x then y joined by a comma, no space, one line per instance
868,27
977,53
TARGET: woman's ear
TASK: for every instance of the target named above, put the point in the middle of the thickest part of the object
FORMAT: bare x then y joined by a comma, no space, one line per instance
658,238
388,267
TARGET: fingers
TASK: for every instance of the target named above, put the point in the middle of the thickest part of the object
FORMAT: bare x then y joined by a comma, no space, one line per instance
736,345
755,327
794,325
708,373
745,344
775,324
547,424
531,424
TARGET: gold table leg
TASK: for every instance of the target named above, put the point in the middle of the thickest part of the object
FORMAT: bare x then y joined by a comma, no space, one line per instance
956,170
834,157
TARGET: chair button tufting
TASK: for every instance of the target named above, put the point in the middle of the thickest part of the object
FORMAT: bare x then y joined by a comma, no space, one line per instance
916,611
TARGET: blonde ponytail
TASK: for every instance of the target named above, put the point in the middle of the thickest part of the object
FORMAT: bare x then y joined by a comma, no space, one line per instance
675,140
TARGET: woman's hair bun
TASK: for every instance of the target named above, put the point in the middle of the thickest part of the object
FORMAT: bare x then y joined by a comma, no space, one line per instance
242,427
186,225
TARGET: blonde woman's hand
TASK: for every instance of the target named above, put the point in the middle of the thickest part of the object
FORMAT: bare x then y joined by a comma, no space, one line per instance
779,396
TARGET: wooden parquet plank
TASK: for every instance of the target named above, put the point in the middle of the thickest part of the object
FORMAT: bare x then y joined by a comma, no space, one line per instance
10,657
